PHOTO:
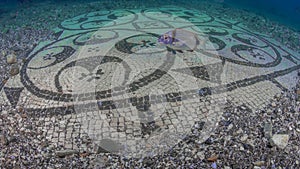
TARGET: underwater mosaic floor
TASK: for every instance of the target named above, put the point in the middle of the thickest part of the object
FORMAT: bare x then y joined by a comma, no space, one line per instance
106,77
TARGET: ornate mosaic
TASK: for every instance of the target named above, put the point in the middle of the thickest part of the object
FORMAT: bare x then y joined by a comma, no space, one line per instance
109,79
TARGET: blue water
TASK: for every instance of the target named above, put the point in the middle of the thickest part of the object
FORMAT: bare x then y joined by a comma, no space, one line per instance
284,12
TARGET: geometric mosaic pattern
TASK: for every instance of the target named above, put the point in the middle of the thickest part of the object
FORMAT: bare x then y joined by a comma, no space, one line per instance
106,77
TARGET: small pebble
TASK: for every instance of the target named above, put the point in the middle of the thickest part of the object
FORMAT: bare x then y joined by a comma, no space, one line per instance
214,165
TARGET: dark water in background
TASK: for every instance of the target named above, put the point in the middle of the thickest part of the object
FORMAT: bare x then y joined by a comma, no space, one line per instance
285,12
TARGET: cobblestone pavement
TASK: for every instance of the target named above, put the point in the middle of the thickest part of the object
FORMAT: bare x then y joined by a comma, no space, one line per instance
106,79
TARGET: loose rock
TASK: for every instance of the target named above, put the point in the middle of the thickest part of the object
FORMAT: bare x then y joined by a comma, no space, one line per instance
64,153
212,158
259,163
11,58
280,140
14,70
268,130
3,140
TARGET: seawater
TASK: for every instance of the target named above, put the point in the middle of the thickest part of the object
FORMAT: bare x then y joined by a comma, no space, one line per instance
284,12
